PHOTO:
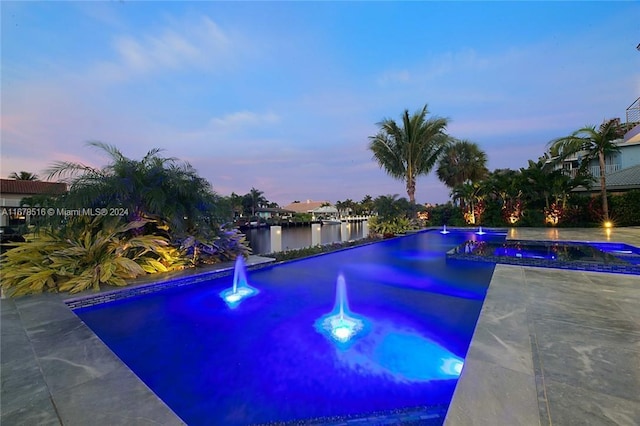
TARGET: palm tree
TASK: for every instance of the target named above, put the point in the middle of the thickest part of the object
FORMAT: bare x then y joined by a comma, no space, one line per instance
461,162
367,204
470,195
23,176
254,199
153,188
411,149
594,144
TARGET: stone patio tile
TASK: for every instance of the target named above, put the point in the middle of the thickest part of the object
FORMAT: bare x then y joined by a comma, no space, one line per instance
22,383
493,395
117,398
576,406
42,309
508,271
590,364
577,306
38,411
631,308
507,347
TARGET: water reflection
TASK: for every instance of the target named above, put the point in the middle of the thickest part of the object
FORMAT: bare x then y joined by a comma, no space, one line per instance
299,237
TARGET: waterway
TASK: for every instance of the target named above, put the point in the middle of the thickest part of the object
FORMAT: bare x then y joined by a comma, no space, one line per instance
299,237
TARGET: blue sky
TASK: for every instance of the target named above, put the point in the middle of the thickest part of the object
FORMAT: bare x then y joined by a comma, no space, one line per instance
282,96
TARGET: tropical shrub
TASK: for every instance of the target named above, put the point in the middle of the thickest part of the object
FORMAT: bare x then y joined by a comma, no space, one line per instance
446,214
625,208
218,245
86,253
389,226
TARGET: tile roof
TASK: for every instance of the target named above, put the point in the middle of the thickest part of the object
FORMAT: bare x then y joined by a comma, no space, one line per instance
627,178
305,207
31,187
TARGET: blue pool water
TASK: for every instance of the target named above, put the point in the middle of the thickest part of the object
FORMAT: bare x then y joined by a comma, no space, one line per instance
264,361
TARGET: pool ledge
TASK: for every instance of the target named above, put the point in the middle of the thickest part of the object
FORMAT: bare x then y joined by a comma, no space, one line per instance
554,346
56,371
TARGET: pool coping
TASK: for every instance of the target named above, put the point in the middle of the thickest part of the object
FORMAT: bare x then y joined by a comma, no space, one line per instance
56,371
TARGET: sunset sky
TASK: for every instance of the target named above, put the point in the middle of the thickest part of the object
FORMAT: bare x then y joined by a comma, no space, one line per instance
282,96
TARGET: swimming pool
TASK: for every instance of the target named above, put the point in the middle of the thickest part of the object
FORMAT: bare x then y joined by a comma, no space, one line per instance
587,256
265,361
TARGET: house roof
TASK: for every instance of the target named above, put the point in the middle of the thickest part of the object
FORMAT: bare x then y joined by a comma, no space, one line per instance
625,179
31,187
273,210
326,209
305,207
628,178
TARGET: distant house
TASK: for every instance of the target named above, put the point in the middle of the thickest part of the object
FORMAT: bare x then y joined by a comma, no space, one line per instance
317,209
306,206
272,213
620,167
13,192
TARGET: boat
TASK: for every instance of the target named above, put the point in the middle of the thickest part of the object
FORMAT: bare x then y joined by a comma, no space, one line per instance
331,221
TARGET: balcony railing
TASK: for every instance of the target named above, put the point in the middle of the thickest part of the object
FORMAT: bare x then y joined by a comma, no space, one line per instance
633,112
595,170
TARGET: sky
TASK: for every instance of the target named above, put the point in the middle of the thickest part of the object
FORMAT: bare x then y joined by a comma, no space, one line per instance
283,96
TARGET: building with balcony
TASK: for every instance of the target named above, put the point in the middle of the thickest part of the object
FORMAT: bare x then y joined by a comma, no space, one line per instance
621,166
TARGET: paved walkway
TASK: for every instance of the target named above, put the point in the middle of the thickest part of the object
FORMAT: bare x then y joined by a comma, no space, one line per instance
554,347
551,347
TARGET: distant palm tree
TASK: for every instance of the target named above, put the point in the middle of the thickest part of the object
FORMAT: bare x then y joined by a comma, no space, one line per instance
367,204
411,149
23,176
256,199
594,144
462,162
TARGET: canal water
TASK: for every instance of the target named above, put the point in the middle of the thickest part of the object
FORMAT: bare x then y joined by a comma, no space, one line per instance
299,237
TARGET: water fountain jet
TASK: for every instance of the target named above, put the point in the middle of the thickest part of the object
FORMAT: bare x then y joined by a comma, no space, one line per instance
480,231
241,289
340,325
444,230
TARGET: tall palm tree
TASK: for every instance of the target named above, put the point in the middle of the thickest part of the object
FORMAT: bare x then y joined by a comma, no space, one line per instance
24,176
594,144
462,161
410,149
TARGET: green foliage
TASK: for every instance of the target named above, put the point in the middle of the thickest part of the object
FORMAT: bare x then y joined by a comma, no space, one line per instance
593,144
216,245
85,254
410,149
390,206
154,187
625,208
446,214
389,226
462,162
318,249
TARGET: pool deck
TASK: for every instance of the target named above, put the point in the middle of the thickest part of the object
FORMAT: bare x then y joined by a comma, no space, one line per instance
551,347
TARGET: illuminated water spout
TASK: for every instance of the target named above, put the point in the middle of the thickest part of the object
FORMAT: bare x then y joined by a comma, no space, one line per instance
444,230
480,231
241,289
340,324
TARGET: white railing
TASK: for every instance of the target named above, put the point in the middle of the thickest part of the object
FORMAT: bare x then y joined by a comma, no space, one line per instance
633,112
595,170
